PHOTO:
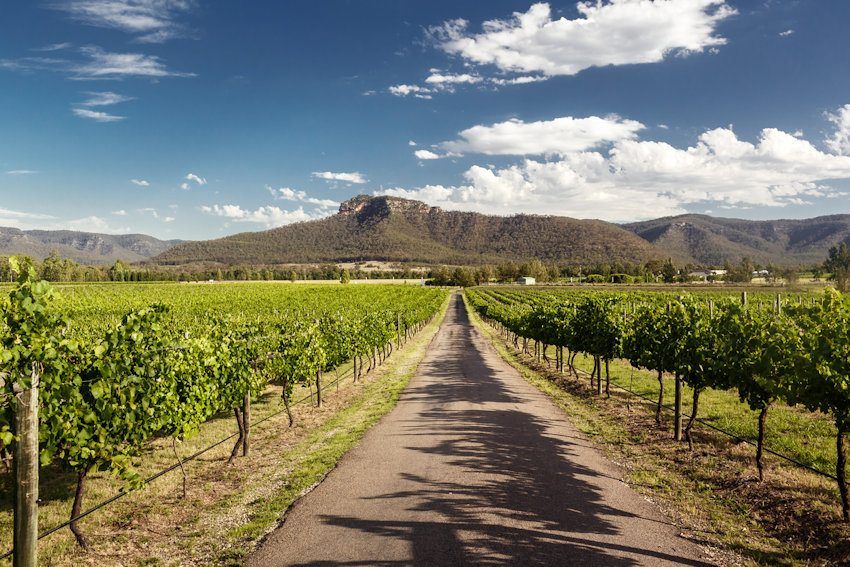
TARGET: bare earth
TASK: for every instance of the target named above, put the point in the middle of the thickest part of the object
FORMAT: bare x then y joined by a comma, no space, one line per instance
474,467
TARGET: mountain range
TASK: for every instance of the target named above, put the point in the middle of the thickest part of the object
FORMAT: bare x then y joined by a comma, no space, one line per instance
82,247
393,229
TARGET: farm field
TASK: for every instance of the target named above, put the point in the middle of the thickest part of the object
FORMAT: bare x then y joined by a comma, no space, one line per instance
128,390
611,334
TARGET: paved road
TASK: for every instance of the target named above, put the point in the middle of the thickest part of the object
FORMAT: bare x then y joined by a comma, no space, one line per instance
473,467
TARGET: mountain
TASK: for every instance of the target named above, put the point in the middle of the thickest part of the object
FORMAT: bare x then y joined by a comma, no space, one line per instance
706,240
82,247
401,230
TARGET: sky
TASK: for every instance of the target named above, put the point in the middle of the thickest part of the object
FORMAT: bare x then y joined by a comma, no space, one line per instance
193,120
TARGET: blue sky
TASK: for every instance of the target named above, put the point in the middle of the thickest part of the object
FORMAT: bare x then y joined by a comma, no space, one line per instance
190,119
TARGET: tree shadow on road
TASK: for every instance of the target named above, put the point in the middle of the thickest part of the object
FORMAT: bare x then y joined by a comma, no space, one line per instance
523,500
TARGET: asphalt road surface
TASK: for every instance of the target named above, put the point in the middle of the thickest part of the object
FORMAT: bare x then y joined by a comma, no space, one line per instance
474,467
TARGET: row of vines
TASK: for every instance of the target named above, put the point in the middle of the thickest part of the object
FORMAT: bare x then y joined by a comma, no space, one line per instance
111,384
796,352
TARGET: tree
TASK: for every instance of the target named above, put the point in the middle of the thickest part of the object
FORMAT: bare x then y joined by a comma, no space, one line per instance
54,268
536,269
741,273
669,271
345,277
838,264
116,272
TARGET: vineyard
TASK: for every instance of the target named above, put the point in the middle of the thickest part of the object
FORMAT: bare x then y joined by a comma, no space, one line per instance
747,357
118,368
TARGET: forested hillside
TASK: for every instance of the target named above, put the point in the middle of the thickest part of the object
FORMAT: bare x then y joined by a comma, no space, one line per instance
702,239
394,229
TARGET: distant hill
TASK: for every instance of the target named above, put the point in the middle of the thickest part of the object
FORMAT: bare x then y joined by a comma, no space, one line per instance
401,230
82,247
702,239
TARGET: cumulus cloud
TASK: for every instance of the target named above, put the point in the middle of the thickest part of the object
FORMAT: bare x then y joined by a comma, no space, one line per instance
151,21
140,182
269,215
426,154
289,194
120,213
197,179
345,177
646,31
786,33
415,90
546,137
97,115
839,141
633,179
437,78
531,46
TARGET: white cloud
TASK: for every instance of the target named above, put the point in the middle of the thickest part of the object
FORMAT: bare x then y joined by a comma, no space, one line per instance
21,219
520,80
149,211
153,21
436,78
839,141
786,33
289,194
120,213
96,64
634,179
54,47
39,221
184,186
196,178
93,224
620,32
411,143
105,98
21,172
105,65
346,177
415,90
269,215
97,115
546,137
140,182
426,154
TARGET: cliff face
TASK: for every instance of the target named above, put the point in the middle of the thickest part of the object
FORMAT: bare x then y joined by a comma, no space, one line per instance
365,207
